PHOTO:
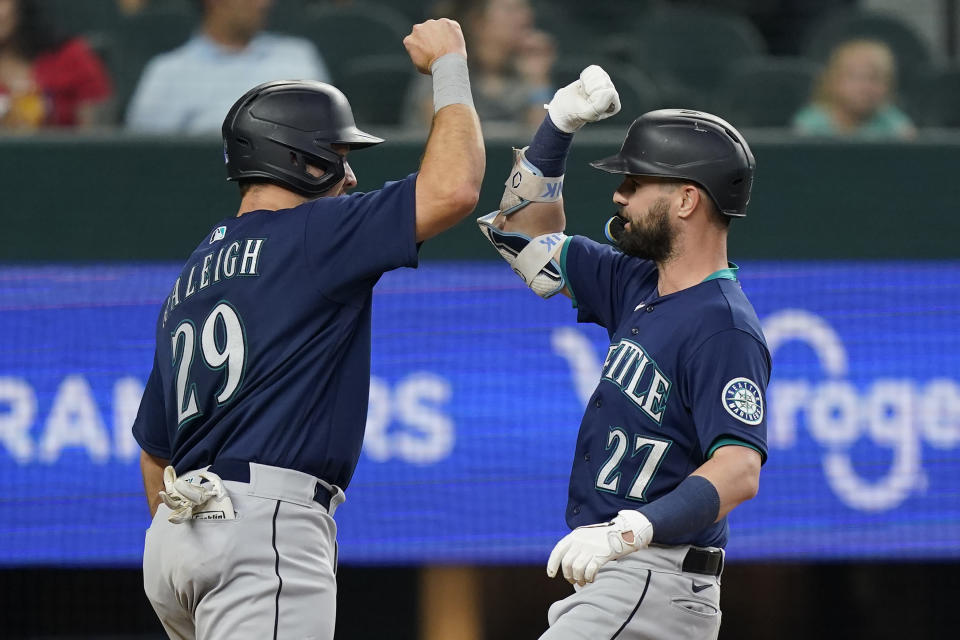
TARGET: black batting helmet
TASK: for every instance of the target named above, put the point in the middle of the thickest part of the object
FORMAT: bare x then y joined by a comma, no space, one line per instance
277,128
689,145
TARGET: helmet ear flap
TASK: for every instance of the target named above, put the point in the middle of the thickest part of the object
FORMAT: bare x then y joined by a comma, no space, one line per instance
329,162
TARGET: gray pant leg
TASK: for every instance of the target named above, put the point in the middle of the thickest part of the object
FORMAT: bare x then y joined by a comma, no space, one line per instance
308,600
222,575
634,599
177,620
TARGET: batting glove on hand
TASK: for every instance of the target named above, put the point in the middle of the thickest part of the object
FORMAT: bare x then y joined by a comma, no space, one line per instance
589,99
584,550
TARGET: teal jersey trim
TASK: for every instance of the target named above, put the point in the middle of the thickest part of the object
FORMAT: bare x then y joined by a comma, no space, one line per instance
730,273
723,442
563,270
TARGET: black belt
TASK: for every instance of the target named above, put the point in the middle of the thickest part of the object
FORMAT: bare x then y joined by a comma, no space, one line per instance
704,562
238,471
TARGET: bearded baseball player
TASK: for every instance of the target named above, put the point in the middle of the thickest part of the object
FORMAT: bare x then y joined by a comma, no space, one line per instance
674,435
253,416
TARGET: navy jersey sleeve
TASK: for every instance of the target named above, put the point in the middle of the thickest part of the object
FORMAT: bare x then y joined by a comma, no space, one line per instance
725,389
599,279
149,429
352,240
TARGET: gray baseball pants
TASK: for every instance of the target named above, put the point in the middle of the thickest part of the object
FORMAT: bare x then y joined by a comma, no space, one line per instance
268,573
643,596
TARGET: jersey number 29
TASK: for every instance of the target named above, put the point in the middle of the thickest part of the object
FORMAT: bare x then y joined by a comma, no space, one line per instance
225,351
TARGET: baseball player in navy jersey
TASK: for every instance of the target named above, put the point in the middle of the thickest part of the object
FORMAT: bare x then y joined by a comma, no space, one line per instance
674,435
253,416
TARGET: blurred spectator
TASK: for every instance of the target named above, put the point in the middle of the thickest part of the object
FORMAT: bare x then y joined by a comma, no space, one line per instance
130,7
510,63
190,89
46,80
853,96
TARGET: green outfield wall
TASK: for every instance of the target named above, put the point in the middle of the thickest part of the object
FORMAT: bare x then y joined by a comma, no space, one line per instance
113,197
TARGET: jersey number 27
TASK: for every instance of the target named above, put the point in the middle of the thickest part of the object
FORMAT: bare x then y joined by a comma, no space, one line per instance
653,450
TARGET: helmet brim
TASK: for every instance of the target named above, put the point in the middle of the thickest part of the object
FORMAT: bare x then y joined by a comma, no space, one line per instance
612,164
357,139
621,165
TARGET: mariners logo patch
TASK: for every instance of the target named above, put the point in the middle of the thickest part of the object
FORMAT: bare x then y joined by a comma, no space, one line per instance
741,398
218,234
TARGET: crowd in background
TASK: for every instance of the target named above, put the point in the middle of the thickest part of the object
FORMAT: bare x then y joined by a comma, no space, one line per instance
823,68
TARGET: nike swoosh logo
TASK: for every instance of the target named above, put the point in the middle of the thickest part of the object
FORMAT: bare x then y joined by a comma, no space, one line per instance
697,588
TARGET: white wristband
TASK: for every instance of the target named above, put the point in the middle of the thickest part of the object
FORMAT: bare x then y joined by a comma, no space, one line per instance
451,81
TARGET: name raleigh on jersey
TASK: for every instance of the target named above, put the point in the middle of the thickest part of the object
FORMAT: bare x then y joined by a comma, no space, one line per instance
212,271
625,366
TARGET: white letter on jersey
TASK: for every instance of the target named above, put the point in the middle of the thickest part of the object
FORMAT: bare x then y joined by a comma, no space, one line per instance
15,423
175,295
191,286
230,260
205,271
216,269
251,254
74,421
659,389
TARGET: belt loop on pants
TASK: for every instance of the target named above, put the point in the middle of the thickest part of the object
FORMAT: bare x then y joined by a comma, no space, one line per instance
707,562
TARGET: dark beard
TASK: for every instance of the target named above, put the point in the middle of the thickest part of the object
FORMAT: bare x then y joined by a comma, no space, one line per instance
653,242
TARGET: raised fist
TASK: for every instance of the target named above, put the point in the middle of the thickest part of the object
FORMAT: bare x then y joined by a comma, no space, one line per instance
433,39
589,99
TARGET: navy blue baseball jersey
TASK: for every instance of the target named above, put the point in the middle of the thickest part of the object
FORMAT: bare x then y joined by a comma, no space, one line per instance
263,345
685,373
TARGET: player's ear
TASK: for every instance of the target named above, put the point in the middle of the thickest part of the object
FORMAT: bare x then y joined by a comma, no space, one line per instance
689,197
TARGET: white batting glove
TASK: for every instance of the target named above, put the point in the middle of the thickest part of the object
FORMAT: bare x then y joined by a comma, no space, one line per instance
584,550
589,99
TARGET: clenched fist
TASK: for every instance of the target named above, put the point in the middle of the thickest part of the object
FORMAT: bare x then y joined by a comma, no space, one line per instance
432,39
589,99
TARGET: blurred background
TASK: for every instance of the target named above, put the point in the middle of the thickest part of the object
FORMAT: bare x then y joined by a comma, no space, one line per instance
111,170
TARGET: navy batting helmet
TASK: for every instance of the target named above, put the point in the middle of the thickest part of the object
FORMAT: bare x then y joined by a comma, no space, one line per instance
689,145
277,128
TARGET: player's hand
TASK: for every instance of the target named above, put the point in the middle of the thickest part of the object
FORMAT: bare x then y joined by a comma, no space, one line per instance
432,39
584,550
589,99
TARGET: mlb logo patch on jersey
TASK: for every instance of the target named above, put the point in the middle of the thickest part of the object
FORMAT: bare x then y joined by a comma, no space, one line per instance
218,234
741,398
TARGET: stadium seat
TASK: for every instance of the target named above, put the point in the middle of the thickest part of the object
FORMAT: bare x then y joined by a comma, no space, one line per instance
909,49
593,27
376,87
413,10
691,46
85,17
345,32
286,16
935,99
766,91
